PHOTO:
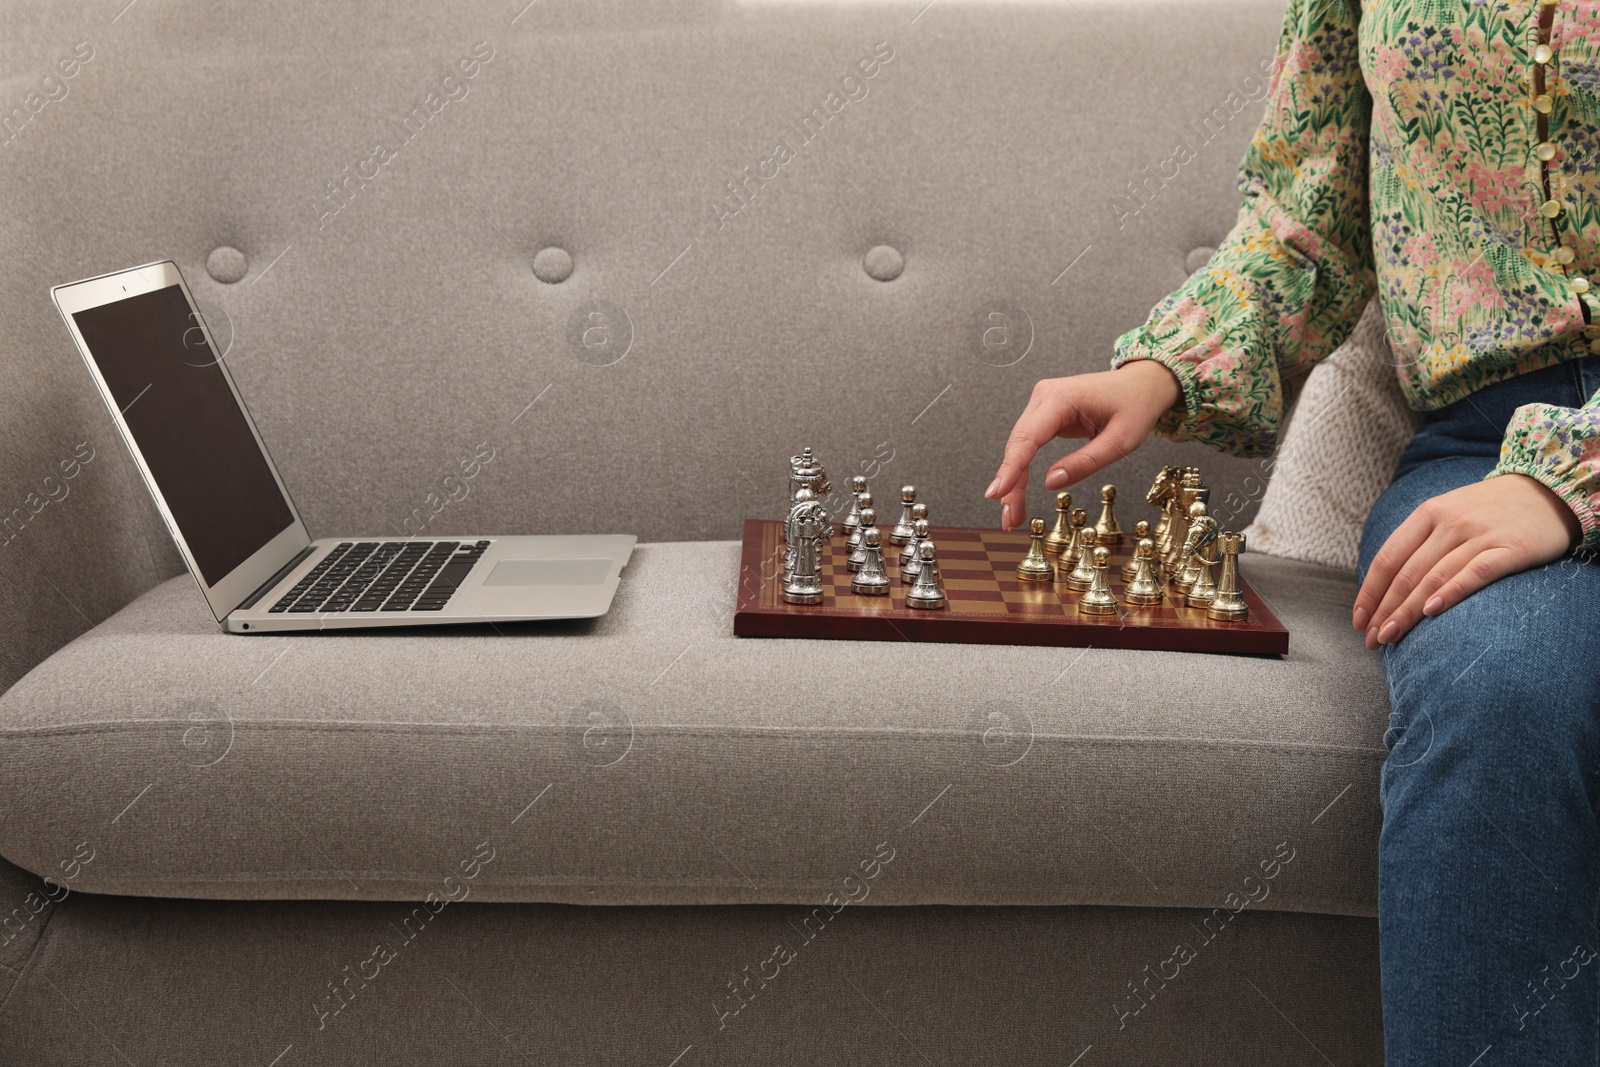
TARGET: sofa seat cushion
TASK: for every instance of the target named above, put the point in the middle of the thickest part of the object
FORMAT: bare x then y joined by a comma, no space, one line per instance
651,757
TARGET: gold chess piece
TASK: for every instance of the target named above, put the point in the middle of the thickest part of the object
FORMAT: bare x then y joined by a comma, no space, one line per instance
1107,530
1082,575
1144,588
1141,530
1036,566
1160,490
1195,538
1189,486
1228,605
1097,599
1060,538
1202,536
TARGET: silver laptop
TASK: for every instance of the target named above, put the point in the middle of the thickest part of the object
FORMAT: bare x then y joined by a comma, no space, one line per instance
261,572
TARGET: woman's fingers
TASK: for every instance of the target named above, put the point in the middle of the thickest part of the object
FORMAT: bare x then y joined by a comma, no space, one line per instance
1405,540
1109,445
1411,576
1394,622
1049,413
1487,565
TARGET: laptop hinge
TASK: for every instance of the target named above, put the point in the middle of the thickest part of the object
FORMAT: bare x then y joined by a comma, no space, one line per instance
250,601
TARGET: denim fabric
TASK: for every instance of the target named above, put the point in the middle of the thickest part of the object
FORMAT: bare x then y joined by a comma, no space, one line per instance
1489,859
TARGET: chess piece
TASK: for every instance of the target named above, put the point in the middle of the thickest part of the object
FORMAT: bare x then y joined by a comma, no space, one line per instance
1188,564
928,591
1228,604
1182,500
1082,574
870,580
1202,535
1144,586
1107,531
912,563
1160,489
805,472
1036,566
806,533
852,539
903,529
858,555
1141,530
852,518
1060,537
919,513
1097,599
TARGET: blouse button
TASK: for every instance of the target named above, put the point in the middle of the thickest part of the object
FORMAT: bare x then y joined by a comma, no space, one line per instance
1543,103
1545,151
1543,54
1548,3
1551,208
1564,256
1580,285
1594,348
1592,331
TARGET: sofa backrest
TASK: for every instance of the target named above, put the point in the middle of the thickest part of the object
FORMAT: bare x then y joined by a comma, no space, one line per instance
635,253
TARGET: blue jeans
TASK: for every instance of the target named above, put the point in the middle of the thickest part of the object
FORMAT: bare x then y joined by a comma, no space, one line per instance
1489,859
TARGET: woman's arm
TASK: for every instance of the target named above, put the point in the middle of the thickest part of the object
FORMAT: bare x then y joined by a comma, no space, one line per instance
1284,289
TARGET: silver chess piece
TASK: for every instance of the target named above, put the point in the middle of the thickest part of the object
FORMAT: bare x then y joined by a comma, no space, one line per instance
806,532
852,539
911,563
902,531
870,579
919,513
852,518
805,472
869,524
928,590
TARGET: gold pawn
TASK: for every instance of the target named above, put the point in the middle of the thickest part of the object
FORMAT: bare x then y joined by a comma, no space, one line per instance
1107,530
1097,599
1082,576
1144,588
1036,566
1141,531
1061,536
1228,605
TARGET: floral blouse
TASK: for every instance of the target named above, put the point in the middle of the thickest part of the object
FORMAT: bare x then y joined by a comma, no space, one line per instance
1441,154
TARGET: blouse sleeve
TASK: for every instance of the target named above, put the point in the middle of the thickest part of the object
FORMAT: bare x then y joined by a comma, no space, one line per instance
1290,281
1559,447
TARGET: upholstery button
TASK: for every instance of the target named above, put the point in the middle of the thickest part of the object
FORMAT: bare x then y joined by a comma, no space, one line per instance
227,264
1543,54
1197,258
1551,208
1564,255
1545,151
883,263
552,265
1543,103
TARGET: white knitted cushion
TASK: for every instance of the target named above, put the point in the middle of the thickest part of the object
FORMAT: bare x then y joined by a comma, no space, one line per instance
1337,453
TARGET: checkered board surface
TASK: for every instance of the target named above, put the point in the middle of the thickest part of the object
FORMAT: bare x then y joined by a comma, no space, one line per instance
988,604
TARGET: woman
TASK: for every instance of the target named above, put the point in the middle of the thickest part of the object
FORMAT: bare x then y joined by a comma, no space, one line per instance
1441,154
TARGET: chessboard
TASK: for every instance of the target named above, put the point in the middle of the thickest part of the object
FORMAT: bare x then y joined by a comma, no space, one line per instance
988,603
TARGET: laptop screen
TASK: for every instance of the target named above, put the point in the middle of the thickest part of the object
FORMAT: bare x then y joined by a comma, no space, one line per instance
196,441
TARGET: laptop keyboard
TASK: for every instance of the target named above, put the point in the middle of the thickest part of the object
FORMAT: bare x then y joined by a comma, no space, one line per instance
383,576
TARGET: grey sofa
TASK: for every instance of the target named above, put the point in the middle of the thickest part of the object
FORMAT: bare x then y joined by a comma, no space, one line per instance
640,252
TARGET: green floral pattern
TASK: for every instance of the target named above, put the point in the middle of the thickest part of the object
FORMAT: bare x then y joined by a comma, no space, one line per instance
1397,158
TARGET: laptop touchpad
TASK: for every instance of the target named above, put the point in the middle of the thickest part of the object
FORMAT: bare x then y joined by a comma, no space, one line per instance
549,572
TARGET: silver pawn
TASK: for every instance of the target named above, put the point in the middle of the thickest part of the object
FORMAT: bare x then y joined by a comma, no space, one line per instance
918,511
852,518
852,539
912,564
902,531
858,555
870,580
928,592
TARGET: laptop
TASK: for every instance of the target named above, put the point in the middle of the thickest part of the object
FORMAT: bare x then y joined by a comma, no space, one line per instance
183,419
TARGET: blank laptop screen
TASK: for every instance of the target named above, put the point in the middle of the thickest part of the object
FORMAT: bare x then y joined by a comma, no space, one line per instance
193,435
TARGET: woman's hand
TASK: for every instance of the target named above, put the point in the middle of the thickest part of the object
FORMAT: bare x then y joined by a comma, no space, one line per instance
1457,543
1115,409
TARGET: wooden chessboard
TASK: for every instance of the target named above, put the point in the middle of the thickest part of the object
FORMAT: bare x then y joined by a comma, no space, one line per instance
988,604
